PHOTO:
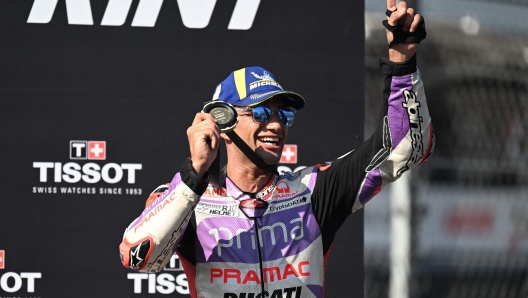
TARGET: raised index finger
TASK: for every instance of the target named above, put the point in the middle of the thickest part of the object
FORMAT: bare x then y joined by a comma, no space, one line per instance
391,4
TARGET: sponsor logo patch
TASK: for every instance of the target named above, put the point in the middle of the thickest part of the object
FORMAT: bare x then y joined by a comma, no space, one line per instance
288,205
283,191
217,209
283,187
264,83
215,192
413,111
250,276
285,232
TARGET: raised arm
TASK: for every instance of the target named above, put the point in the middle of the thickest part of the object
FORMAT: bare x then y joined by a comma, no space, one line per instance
403,138
150,239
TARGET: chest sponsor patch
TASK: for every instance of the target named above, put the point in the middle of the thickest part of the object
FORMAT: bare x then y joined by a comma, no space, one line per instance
217,209
288,205
271,274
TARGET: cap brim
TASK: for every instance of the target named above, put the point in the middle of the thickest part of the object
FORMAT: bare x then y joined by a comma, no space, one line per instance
295,100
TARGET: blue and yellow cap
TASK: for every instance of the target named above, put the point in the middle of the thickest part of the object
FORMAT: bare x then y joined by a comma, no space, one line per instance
252,85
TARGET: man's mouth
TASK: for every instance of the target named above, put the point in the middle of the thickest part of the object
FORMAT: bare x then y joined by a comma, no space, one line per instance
269,140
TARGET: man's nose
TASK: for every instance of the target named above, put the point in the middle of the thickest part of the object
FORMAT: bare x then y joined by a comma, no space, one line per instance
274,122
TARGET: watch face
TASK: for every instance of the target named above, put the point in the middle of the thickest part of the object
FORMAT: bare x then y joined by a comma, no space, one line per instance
224,113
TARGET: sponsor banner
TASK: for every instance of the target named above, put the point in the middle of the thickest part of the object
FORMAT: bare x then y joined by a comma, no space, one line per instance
170,281
16,284
96,97
80,178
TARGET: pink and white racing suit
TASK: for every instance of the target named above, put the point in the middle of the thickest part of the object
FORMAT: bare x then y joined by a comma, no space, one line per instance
275,243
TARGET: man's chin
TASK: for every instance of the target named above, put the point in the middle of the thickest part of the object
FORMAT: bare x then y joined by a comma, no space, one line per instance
268,157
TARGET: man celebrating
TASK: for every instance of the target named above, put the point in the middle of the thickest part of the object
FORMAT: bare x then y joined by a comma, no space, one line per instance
260,234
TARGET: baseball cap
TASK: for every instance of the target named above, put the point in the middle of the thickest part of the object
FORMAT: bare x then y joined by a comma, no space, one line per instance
252,85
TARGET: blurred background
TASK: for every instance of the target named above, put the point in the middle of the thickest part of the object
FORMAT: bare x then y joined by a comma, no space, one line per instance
468,214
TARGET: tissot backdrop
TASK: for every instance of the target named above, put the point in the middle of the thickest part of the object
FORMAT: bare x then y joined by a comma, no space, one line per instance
137,89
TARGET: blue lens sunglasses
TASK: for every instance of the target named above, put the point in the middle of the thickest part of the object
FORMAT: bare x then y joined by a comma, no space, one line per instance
263,114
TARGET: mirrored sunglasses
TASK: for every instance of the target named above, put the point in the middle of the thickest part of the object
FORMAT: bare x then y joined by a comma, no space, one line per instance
263,114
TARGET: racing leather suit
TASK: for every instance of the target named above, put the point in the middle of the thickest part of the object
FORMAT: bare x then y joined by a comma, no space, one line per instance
274,243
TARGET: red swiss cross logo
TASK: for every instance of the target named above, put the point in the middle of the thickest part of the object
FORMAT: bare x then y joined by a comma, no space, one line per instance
97,150
289,154
2,259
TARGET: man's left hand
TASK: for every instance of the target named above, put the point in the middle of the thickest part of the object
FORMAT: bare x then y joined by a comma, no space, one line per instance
409,20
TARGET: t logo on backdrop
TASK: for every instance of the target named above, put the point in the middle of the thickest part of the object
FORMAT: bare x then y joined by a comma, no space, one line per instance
95,150
194,13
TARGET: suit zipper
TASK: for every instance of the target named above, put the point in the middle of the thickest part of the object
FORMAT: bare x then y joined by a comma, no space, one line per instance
260,257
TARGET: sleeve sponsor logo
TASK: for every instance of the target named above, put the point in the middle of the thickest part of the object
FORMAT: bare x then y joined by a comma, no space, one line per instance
153,209
413,111
249,276
169,248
